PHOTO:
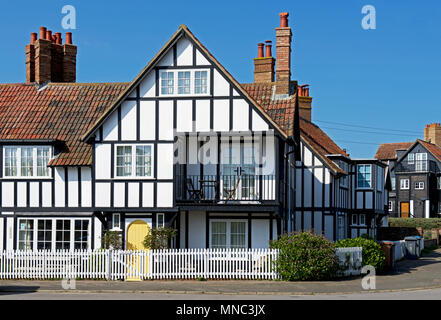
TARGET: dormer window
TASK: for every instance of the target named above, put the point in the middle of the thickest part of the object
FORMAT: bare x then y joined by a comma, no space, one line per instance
24,162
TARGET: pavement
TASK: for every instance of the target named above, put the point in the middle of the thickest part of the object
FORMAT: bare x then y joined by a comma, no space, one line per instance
409,275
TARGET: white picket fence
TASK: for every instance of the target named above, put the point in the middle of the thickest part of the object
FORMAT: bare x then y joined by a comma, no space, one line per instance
153,264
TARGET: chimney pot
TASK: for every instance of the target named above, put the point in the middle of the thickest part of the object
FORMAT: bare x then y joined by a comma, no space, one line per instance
43,33
260,50
58,38
33,37
68,37
284,19
49,35
268,48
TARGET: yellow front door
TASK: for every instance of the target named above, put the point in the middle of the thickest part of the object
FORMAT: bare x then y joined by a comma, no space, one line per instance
136,233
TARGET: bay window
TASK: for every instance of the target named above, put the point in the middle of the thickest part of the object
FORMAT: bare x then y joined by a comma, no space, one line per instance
26,161
134,160
228,234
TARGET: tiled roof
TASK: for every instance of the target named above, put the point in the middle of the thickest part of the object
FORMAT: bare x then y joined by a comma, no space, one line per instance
433,148
388,151
59,111
282,112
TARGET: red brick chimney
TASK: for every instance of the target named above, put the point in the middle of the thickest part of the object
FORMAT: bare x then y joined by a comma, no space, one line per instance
264,66
305,102
283,45
48,60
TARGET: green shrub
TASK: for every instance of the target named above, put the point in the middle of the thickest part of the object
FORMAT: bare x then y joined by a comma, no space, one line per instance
158,238
427,235
425,223
305,256
111,240
372,253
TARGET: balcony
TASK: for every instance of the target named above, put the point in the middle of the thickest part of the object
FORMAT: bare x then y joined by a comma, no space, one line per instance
225,189
417,166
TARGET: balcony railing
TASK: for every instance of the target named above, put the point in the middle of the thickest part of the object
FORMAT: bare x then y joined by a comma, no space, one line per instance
417,166
224,189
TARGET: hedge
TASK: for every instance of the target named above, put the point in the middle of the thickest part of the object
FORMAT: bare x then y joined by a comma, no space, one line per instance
305,256
372,253
425,223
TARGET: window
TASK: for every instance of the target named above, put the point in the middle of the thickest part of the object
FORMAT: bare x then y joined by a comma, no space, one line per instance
44,234
200,82
419,185
410,158
167,82
438,183
362,219
26,234
391,206
404,184
27,165
364,176
81,234
160,221
62,235
53,234
359,219
184,82
355,219
116,221
228,234
393,181
27,161
421,162
138,163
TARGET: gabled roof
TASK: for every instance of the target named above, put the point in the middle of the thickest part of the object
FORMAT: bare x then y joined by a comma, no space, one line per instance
434,149
59,111
282,112
182,31
388,151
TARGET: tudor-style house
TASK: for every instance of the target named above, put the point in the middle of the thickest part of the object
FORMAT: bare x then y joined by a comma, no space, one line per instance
415,174
183,145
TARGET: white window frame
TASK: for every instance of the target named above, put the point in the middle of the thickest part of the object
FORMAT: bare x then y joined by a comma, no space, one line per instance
419,185
228,231
391,206
362,219
404,184
422,162
133,175
354,220
371,174
116,217
19,165
54,228
411,158
160,225
394,183
176,82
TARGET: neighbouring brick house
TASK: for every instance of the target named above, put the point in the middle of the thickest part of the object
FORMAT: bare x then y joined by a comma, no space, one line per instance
78,159
415,169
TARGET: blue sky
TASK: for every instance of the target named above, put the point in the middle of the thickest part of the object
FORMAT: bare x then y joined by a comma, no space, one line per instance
389,77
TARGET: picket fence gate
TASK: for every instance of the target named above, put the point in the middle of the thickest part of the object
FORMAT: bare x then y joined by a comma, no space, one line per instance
152,264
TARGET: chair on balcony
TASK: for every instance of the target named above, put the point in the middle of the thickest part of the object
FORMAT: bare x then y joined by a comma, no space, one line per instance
195,194
231,192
